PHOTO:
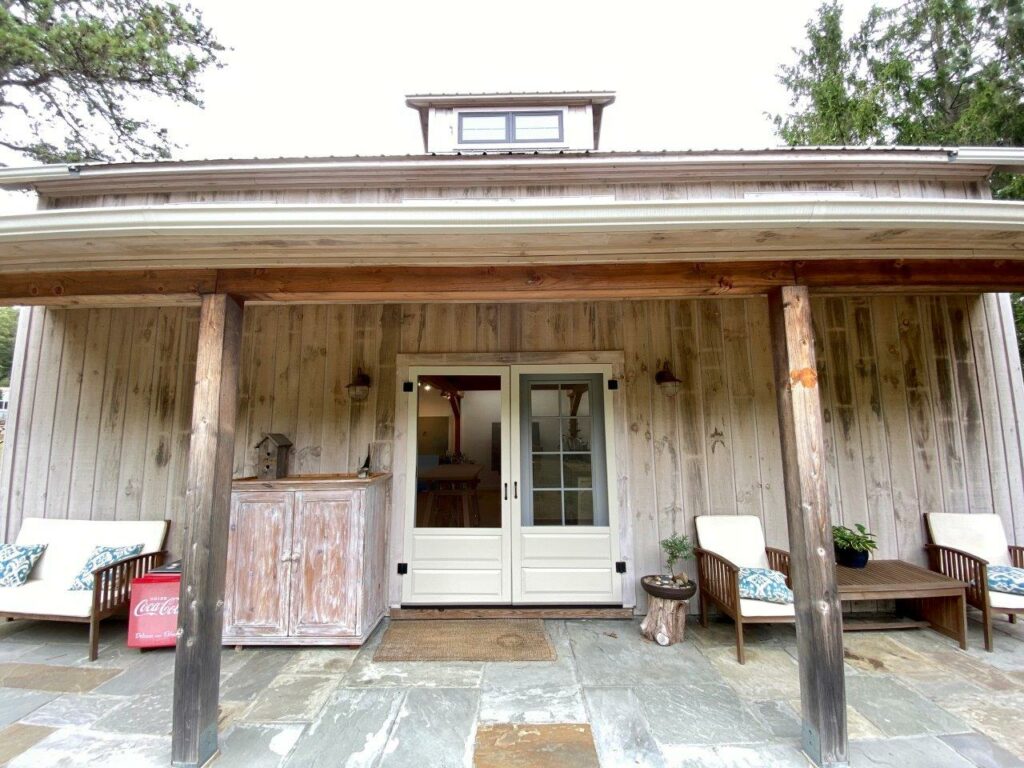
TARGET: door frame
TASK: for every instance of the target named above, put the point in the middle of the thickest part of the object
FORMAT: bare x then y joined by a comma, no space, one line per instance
618,460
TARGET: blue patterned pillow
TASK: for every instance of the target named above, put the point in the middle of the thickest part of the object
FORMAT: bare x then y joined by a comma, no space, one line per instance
1006,578
17,562
102,556
764,584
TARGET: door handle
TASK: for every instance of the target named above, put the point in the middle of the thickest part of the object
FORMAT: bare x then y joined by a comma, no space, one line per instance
506,491
515,489
286,557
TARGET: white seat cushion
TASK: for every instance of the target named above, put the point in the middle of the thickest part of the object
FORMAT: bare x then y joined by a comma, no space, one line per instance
1005,600
752,608
981,535
737,538
45,598
69,543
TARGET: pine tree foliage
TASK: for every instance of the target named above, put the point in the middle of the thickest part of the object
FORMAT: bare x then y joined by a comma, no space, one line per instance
928,72
74,74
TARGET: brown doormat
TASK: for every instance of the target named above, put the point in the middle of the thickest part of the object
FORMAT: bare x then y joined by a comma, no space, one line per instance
469,640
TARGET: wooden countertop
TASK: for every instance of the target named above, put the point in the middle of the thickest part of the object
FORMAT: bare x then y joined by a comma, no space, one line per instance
308,482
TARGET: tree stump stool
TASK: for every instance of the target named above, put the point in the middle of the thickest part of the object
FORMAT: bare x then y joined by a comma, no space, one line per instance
665,622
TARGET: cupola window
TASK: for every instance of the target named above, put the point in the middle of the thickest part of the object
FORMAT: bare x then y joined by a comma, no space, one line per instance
511,127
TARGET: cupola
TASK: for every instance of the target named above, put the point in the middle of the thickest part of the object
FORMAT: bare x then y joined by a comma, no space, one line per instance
511,122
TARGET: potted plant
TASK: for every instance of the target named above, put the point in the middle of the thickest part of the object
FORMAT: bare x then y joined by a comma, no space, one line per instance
677,548
852,547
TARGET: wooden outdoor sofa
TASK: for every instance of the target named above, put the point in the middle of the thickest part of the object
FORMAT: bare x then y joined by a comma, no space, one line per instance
962,546
726,543
69,543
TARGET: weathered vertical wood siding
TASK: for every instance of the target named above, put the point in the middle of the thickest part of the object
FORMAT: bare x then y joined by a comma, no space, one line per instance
922,397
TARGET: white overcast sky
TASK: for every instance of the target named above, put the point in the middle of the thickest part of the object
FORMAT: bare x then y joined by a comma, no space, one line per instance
329,78
312,77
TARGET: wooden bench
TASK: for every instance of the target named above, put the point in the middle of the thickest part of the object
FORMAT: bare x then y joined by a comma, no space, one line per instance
931,599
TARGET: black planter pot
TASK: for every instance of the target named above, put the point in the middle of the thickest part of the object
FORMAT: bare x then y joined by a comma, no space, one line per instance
665,587
851,558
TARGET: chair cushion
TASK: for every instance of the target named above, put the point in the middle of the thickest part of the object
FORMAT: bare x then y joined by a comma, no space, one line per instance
737,538
981,535
71,542
16,562
100,557
1006,578
764,584
1005,601
759,608
43,598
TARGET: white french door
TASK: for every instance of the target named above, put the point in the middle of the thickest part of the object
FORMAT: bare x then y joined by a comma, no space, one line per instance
510,500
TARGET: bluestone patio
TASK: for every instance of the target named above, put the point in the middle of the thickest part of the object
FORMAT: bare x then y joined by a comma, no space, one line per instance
610,699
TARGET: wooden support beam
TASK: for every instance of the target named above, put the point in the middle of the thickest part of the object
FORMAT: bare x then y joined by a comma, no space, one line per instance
819,626
579,282
207,502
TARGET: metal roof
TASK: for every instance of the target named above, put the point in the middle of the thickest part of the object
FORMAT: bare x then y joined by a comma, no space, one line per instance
981,159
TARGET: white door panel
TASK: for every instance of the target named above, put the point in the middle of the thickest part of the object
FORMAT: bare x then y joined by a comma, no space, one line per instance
567,585
457,544
570,557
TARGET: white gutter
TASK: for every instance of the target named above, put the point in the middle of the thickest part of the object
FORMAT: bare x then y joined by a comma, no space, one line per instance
551,216
1002,158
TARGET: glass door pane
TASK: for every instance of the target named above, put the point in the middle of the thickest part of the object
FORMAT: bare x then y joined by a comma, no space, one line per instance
563,458
459,435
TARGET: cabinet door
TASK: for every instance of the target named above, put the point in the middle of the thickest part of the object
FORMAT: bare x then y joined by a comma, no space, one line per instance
327,539
258,569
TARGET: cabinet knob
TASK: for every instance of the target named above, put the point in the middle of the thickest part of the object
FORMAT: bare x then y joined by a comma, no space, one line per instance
286,557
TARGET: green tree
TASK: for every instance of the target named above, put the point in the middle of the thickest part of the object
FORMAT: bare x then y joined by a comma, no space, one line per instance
928,72
8,330
72,73
935,72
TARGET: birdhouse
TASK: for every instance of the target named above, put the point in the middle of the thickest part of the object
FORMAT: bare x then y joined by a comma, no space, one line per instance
272,456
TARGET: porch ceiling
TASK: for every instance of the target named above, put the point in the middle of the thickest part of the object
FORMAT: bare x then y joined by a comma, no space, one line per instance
561,231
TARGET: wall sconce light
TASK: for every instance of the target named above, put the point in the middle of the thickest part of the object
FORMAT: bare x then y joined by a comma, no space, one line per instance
667,381
360,386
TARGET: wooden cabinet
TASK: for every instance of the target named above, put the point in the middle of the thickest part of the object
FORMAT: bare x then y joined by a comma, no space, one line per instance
306,561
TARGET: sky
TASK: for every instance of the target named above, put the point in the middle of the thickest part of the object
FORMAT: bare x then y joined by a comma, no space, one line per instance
314,78
329,78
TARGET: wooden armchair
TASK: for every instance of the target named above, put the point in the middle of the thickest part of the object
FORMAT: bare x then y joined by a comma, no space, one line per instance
979,542
727,543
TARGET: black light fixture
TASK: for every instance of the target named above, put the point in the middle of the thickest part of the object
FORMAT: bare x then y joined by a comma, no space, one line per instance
360,386
667,381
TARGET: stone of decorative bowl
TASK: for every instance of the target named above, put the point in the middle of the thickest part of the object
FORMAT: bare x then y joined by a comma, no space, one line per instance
668,588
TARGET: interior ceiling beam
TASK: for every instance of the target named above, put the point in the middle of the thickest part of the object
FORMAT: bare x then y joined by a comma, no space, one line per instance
509,284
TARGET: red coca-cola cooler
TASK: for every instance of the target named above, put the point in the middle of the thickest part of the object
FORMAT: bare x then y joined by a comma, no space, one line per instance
153,619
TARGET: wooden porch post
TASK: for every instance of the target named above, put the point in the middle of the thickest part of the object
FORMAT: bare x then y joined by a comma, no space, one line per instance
207,501
819,629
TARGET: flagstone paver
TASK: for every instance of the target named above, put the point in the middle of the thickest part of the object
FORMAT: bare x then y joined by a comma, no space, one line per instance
609,698
434,727
76,709
44,677
534,746
17,703
15,739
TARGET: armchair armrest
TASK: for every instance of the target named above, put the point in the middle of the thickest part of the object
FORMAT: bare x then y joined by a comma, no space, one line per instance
719,578
962,566
778,560
112,584
1017,556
